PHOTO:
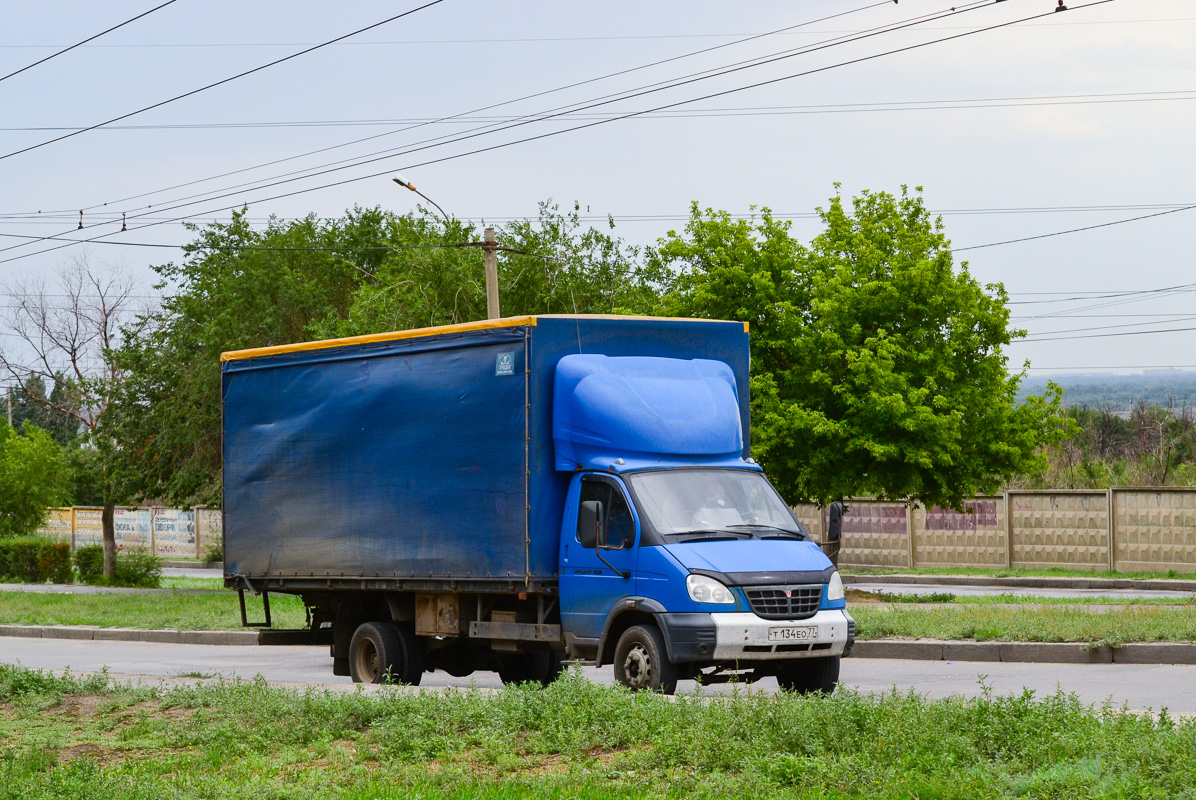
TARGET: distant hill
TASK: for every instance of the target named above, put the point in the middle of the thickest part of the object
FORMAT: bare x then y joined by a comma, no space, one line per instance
1164,387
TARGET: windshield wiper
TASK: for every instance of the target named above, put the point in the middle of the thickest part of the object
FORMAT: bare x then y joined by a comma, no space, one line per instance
786,533
711,535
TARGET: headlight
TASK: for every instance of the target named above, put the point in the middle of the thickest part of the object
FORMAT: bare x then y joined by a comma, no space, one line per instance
707,590
834,589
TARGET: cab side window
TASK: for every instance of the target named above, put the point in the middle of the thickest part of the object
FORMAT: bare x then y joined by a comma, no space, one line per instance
621,528
595,490
620,523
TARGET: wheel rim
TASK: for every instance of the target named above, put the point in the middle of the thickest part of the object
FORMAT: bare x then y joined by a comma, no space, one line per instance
367,660
637,667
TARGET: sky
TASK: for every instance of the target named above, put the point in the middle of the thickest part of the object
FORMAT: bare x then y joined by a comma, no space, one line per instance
1056,122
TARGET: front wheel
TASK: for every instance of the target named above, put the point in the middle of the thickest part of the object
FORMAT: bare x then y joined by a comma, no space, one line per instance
383,652
809,675
641,661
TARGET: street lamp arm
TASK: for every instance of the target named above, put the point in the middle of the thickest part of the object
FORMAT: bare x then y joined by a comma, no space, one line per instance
433,202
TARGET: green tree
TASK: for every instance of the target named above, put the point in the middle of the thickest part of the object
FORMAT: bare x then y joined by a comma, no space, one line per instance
367,272
34,475
878,364
66,334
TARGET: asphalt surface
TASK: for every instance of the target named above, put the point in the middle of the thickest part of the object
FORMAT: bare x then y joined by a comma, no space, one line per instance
1139,687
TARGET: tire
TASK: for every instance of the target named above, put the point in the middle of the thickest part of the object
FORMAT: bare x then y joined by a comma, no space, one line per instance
542,668
382,652
809,675
642,663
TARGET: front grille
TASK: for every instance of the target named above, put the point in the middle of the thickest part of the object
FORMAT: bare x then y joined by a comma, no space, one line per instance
785,602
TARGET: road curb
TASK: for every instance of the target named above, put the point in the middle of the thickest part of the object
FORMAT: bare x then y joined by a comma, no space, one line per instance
91,633
215,566
1027,652
1154,584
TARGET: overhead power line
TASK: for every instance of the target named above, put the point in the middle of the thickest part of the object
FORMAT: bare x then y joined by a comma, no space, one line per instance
861,59
1105,335
85,41
822,108
1073,230
223,81
1033,336
115,216
528,39
1183,287
535,117
1119,366
531,96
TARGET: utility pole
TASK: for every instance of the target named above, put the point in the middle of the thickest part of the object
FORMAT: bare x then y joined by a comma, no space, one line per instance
10,406
490,248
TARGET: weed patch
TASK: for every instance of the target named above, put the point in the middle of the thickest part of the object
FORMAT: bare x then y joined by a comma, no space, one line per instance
572,739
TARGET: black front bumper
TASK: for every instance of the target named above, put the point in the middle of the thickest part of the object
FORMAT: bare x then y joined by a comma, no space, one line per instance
688,636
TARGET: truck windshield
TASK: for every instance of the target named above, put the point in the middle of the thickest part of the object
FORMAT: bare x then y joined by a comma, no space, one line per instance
688,501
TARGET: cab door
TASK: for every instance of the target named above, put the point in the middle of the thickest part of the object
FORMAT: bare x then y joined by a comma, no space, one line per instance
589,587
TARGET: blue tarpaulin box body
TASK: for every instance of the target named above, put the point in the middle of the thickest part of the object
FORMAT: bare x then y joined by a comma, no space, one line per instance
423,454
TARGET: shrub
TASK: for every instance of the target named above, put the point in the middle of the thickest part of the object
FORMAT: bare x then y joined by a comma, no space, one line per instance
133,568
213,553
30,559
89,560
137,569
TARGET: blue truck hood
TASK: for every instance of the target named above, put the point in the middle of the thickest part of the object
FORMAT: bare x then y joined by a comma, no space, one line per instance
755,561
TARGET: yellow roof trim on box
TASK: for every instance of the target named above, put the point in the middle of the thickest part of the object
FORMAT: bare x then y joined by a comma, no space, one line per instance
394,336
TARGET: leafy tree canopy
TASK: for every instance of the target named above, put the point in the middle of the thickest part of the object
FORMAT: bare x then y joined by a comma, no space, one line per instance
877,362
34,475
367,272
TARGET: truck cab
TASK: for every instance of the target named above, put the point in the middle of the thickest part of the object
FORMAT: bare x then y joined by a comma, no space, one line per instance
678,558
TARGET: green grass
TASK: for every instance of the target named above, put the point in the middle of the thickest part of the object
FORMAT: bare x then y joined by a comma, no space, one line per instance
84,738
187,612
192,583
1000,572
1069,623
932,598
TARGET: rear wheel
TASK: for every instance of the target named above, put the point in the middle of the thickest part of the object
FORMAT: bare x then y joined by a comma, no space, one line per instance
542,668
382,652
641,661
809,675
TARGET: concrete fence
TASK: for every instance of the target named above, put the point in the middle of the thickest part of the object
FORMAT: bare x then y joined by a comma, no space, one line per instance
165,532
1121,529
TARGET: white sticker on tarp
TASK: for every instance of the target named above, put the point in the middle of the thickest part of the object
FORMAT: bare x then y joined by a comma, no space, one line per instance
505,364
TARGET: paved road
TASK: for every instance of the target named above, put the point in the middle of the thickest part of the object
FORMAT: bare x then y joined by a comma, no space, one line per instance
977,591
1140,687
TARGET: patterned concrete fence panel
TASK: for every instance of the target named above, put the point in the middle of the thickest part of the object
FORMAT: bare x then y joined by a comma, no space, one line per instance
1059,529
876,534
174,533
134,529
979,537
209,529
1155,530
88,526
810,515
58,525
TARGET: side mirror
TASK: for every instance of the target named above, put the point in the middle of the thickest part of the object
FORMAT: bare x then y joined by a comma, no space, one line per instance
834,525
590,527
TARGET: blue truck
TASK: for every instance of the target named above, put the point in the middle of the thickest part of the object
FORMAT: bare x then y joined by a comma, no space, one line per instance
512,494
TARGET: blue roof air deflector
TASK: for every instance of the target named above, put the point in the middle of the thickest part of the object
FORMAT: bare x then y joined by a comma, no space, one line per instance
659,410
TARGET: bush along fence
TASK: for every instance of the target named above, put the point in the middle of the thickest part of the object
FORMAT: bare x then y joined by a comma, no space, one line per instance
164,532
1120,529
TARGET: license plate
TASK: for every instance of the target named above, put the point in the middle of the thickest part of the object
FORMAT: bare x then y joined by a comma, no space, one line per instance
792,634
